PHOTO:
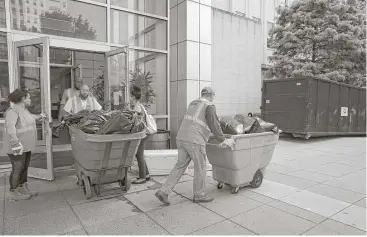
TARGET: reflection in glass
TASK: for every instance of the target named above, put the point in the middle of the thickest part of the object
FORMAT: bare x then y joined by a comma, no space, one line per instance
2,14
117,79
4,75
66,18
149,71
60,56
156,7
135,30
30,66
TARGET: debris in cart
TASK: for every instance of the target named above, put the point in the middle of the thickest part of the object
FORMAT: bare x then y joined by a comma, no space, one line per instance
230,126
102,122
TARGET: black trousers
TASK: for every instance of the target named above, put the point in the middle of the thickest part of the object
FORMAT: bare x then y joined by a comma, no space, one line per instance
143,169
19,169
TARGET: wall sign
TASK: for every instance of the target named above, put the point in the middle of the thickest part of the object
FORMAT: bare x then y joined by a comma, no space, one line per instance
344,111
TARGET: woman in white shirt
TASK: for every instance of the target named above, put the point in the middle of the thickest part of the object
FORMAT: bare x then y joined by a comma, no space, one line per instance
136,105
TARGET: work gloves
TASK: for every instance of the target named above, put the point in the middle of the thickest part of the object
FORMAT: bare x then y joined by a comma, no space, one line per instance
228,143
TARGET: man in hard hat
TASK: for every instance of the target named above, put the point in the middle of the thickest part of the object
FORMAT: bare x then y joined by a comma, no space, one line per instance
199,121
83,101
69,93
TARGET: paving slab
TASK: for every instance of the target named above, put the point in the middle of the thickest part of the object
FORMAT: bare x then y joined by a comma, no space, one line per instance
149,185
266,220
226,227
275,190
355,182
77,232
354,216
308,215
283,169
316,203
331,227
139,224
67,182
77,196
53,222
162,179
255,196
361,203
103,211
312,176
229,205
334,169
336,193
289,180
184,218
147,201
40,203
186,189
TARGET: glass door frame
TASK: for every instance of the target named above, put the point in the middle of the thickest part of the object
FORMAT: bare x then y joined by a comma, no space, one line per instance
107,69
46,145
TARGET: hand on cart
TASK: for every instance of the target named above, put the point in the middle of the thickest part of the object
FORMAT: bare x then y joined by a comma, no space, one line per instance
228,143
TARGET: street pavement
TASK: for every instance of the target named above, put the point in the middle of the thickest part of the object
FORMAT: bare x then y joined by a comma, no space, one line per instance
313,187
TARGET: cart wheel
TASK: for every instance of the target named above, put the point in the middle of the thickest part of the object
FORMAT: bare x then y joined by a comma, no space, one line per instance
79,181
87,187
125,184
257,180
235,190
220,185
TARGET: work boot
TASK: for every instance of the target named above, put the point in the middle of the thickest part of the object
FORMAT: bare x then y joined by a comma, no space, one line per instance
202,198
16,195
162,197
24,189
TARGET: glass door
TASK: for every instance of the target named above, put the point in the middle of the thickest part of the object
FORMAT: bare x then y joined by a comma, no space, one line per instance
116,78
32,72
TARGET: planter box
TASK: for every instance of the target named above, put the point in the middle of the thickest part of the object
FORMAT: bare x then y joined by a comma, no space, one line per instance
160,162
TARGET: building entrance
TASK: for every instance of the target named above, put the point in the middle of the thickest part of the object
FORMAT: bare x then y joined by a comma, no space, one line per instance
47,70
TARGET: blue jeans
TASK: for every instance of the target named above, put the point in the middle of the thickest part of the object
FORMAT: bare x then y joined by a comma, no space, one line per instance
187,152
19,169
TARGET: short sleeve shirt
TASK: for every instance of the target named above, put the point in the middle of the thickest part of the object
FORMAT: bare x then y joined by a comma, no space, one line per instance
73,108
68,93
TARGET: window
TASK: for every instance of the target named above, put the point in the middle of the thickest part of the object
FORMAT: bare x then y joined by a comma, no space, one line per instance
270,40
68,19
4,75
35,21
28,10
156,7
132,29
152,66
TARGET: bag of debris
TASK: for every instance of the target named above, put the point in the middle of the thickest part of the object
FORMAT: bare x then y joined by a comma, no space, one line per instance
124,122
266,126
250,124
230,126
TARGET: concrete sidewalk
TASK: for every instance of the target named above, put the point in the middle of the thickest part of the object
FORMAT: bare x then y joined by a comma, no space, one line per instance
310,187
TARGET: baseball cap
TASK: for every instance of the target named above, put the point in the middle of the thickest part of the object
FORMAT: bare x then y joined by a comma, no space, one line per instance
207,90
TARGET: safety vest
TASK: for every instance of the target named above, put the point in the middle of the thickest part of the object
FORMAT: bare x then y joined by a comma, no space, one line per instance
25,129
77,104
194,128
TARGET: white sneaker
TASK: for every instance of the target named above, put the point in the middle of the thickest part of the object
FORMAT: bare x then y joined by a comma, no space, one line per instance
24,189
17,195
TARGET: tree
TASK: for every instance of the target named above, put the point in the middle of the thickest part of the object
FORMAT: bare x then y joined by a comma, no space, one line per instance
62,24
322,38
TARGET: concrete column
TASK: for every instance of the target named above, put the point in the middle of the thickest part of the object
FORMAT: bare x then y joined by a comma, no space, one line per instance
190,57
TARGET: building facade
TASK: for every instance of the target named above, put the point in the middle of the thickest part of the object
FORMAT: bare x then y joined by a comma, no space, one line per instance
184,45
